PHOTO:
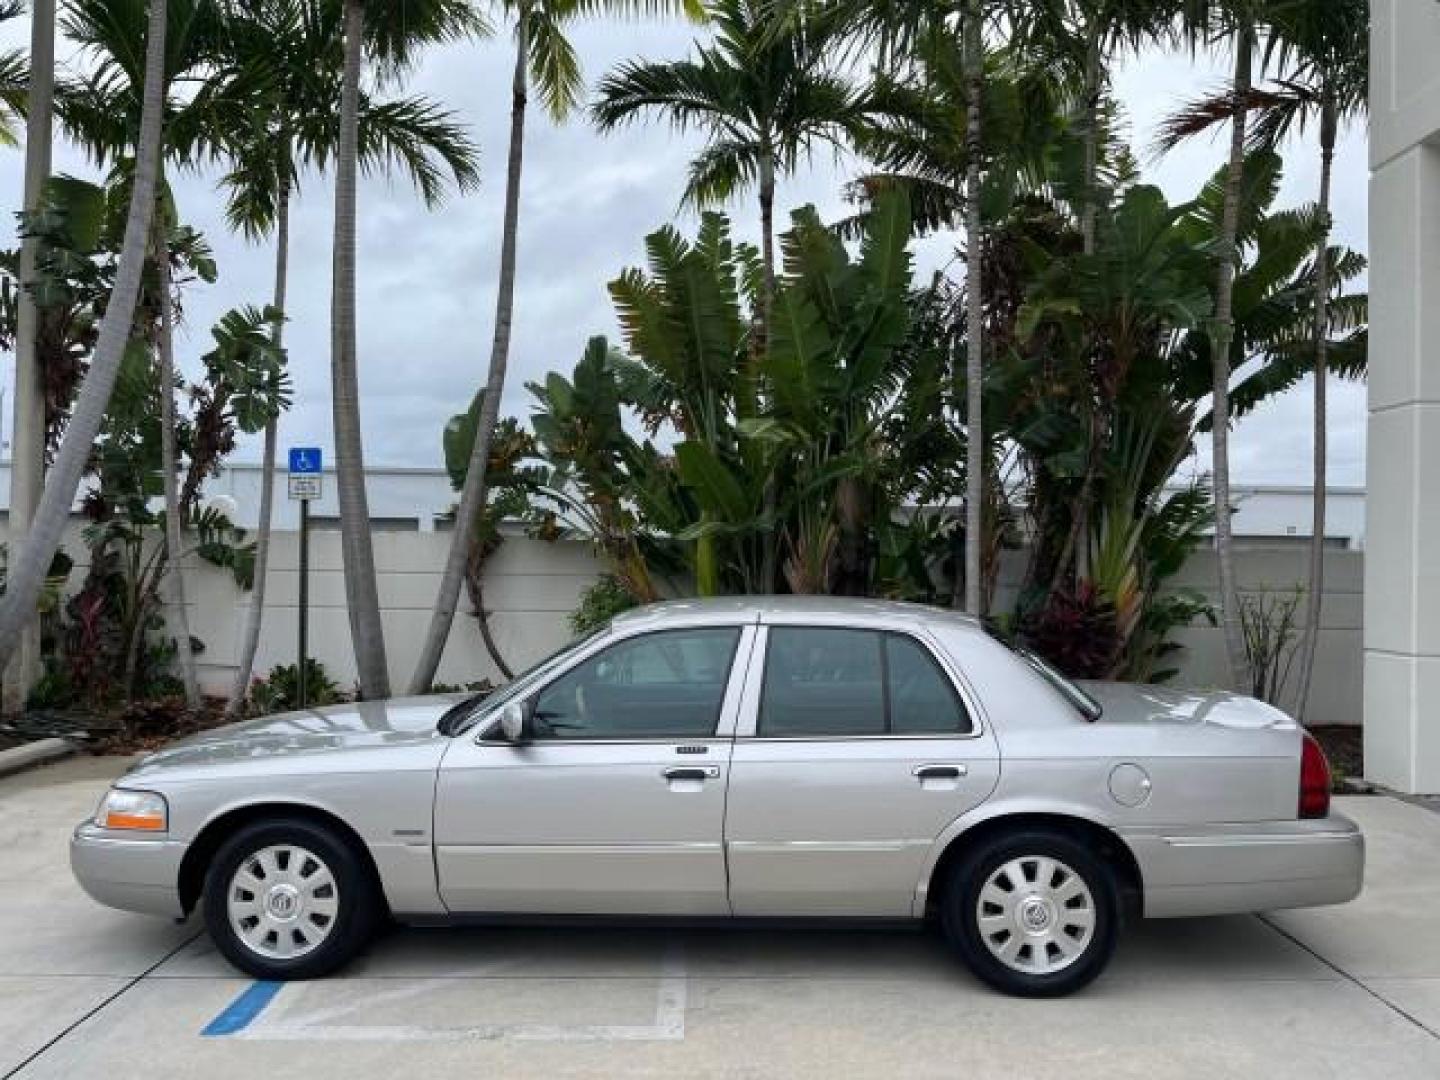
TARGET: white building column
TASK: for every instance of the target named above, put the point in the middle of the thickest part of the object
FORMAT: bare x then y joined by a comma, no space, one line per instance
1402,547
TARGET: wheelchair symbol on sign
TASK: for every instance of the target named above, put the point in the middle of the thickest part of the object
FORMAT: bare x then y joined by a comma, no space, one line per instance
304,459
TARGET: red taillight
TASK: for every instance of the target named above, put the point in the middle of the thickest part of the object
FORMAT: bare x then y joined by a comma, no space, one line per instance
1314,780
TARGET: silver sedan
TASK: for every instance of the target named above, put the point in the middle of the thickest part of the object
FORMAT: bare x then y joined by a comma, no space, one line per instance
737,759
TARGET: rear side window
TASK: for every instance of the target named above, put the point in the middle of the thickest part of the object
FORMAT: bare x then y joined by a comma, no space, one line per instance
922,699
821,681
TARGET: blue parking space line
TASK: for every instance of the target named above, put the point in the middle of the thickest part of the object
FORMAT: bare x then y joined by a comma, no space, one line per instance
245,1008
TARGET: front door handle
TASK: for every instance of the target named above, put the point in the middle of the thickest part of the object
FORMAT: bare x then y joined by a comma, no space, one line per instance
690,772
938,772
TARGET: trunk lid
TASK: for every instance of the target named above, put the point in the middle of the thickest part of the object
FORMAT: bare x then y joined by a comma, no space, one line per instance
1135,703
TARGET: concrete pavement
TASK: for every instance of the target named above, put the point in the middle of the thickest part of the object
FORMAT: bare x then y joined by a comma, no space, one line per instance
86,992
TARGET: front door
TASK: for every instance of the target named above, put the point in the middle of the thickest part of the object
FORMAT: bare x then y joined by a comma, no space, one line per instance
855,751
617,804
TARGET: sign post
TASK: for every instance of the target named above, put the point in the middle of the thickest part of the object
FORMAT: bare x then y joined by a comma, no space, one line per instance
305,483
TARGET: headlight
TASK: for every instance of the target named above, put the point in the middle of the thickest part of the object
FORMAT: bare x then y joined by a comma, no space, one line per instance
141,811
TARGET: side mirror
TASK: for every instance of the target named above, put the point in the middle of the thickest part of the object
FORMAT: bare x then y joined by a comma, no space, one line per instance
514,723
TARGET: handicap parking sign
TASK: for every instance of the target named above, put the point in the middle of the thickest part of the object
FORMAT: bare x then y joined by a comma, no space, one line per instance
305,460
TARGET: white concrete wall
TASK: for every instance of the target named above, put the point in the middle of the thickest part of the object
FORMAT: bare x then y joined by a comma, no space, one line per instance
1277,568
532,587
1336,694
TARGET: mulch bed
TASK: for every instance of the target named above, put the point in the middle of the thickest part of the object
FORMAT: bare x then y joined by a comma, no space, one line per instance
1344,745
138,728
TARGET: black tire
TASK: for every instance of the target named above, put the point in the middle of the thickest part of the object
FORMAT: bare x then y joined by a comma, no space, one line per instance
960,909
357,904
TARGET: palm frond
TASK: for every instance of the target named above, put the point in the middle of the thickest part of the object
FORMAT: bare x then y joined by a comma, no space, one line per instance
420,140
554,64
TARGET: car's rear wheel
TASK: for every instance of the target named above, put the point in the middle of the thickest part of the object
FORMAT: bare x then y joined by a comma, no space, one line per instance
1032,912
289,899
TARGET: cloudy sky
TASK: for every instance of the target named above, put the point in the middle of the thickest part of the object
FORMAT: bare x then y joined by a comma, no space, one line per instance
427,278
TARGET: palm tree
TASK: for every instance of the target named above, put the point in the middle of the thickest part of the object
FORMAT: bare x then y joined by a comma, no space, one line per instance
361,595
1331,40
973,31
101,111
1324,47
281,116
943,48
180,619
1106,26
27,572
544,56
766,93
1240,22
394,35
27,442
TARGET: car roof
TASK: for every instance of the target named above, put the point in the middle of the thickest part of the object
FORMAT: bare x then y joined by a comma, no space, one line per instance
841,610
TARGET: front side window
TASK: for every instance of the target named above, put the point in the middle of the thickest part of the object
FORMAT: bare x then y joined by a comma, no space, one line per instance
668,685
834,682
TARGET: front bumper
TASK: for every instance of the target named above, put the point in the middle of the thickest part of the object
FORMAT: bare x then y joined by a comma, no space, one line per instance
132,874
1253,866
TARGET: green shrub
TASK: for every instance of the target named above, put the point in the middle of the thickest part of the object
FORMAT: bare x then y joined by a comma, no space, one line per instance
280,690
600,603
479,686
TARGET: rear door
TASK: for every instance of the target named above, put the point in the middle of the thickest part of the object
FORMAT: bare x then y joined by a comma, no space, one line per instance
855,749
617,805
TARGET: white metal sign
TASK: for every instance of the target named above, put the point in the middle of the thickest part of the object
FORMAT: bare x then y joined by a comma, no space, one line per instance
304,486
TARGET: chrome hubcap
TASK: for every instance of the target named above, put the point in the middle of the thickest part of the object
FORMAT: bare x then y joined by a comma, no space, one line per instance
1036,915
282,902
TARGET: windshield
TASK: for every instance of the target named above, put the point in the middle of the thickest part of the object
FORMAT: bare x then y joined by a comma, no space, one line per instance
1088,706
463,716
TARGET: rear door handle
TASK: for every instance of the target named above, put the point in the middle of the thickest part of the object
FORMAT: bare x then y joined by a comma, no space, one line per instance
938,772
690,772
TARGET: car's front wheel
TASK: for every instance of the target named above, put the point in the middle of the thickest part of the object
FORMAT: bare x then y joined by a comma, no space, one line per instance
1032,912
289,899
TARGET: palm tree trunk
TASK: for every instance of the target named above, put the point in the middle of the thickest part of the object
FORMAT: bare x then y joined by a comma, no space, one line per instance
770,559
1092,141
250,639
472,495
767,239
27,451
361,596
1310,640
1221,341
175,579
1077,546
27,570
475,586
851,518
974,317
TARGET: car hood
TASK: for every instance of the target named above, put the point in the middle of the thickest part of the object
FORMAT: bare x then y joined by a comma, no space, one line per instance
1132,703
365,725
